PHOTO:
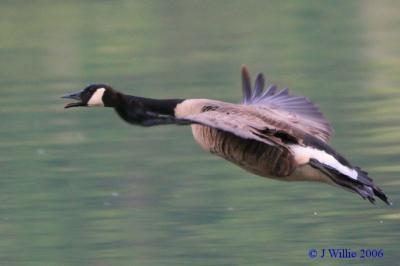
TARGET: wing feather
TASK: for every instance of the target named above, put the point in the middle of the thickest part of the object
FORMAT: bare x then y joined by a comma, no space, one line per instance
248,122
259,87
306,113
236,122
246,85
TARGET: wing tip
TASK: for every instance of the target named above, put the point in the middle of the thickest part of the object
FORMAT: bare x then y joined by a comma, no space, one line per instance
245,70
246,84
245,73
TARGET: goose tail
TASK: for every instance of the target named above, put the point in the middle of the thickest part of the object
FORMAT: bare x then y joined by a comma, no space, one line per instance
368,189
359,182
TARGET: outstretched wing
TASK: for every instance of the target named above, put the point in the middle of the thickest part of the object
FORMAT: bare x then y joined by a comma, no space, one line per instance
299,109
244,121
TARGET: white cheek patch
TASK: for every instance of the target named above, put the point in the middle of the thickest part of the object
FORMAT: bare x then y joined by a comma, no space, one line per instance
97,98
304,154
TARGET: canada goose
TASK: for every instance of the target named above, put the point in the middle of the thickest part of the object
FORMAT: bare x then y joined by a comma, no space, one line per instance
271,133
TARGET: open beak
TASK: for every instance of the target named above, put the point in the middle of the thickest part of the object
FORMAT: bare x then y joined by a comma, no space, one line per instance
74,96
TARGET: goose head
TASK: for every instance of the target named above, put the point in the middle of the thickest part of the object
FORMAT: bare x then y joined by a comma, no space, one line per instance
92,95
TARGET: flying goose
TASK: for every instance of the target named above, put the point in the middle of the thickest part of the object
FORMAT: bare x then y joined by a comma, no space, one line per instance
271,133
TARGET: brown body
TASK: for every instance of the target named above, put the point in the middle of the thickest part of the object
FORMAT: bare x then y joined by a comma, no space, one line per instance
254,156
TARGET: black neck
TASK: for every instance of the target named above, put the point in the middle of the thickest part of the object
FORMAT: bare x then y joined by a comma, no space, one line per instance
159,106
146,111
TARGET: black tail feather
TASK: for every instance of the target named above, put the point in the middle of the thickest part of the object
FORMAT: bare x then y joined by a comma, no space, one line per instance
379,193
363,185
367,182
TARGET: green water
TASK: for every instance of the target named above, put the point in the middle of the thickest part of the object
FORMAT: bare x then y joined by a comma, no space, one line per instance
80,187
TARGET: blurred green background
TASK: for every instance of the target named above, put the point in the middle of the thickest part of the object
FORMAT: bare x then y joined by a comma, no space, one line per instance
81,187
